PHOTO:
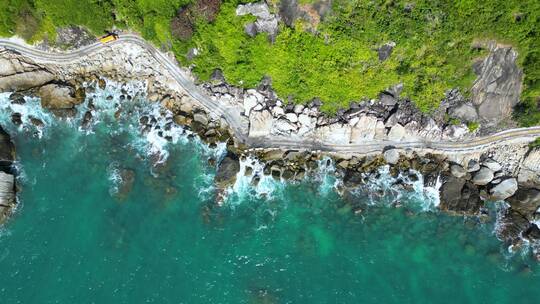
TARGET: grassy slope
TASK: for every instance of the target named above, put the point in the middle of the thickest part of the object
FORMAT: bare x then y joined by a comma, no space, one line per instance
340,63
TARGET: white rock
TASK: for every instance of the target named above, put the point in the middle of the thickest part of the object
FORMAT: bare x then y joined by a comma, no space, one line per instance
334,133
305,120
353,121
260,123
493,165
283,127
364,129
483,176
298,108
278,111
397,133
391,156
291,117
249,103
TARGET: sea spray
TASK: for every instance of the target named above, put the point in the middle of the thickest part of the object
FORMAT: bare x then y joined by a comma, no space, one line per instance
384,189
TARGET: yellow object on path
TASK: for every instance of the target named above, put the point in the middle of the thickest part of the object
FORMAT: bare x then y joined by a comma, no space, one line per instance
108,38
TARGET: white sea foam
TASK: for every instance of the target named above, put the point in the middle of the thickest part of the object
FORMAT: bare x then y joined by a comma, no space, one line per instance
29,110
114,177
386,189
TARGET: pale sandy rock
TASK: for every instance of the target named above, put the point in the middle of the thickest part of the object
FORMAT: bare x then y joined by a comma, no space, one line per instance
249,103
380,130
364,129
277,111
334,133
291,117
298,108
283,127
397,133
55,96
260,123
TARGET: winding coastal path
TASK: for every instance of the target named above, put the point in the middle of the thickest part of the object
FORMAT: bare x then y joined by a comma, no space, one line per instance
240,126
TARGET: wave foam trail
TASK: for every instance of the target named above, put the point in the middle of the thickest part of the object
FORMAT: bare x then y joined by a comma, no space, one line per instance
325,175
251,182
32,116
385,189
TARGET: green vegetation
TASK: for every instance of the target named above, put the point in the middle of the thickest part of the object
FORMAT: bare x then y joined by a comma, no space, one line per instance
337,63
473,126
535,144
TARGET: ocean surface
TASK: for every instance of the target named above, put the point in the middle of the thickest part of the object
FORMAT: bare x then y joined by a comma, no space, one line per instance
110,214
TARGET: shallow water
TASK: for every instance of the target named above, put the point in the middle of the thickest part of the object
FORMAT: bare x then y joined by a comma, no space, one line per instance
77,238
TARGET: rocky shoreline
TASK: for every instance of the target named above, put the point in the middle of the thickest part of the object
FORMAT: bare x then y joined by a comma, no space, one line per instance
469,180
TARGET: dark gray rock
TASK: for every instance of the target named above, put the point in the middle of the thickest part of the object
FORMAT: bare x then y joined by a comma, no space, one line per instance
465,112
227,170
498,86
510,224
458,195
385,50
526,201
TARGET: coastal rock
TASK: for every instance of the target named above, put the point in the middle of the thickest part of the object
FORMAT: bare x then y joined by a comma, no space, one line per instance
56,97
391,156
17,74
492,165
529,171
504,189
526,201
397,133
7,195
334,133
227,170
483,176
249,103
7,149
510,224
498,86
473,166
260,123
458,171
458,195
364,129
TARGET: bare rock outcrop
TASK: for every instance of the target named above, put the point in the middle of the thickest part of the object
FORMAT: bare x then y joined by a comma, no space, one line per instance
498,86
56,96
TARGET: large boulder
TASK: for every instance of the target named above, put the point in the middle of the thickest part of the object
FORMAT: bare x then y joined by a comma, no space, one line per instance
510,224
260,123
498,87
227,170
526,201
465,112
364,129
266,21
529,171
397,133
391,156
458,195
504,189
58,97
483,176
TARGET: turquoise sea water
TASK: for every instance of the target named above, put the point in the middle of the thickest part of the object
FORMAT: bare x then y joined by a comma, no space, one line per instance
80,237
